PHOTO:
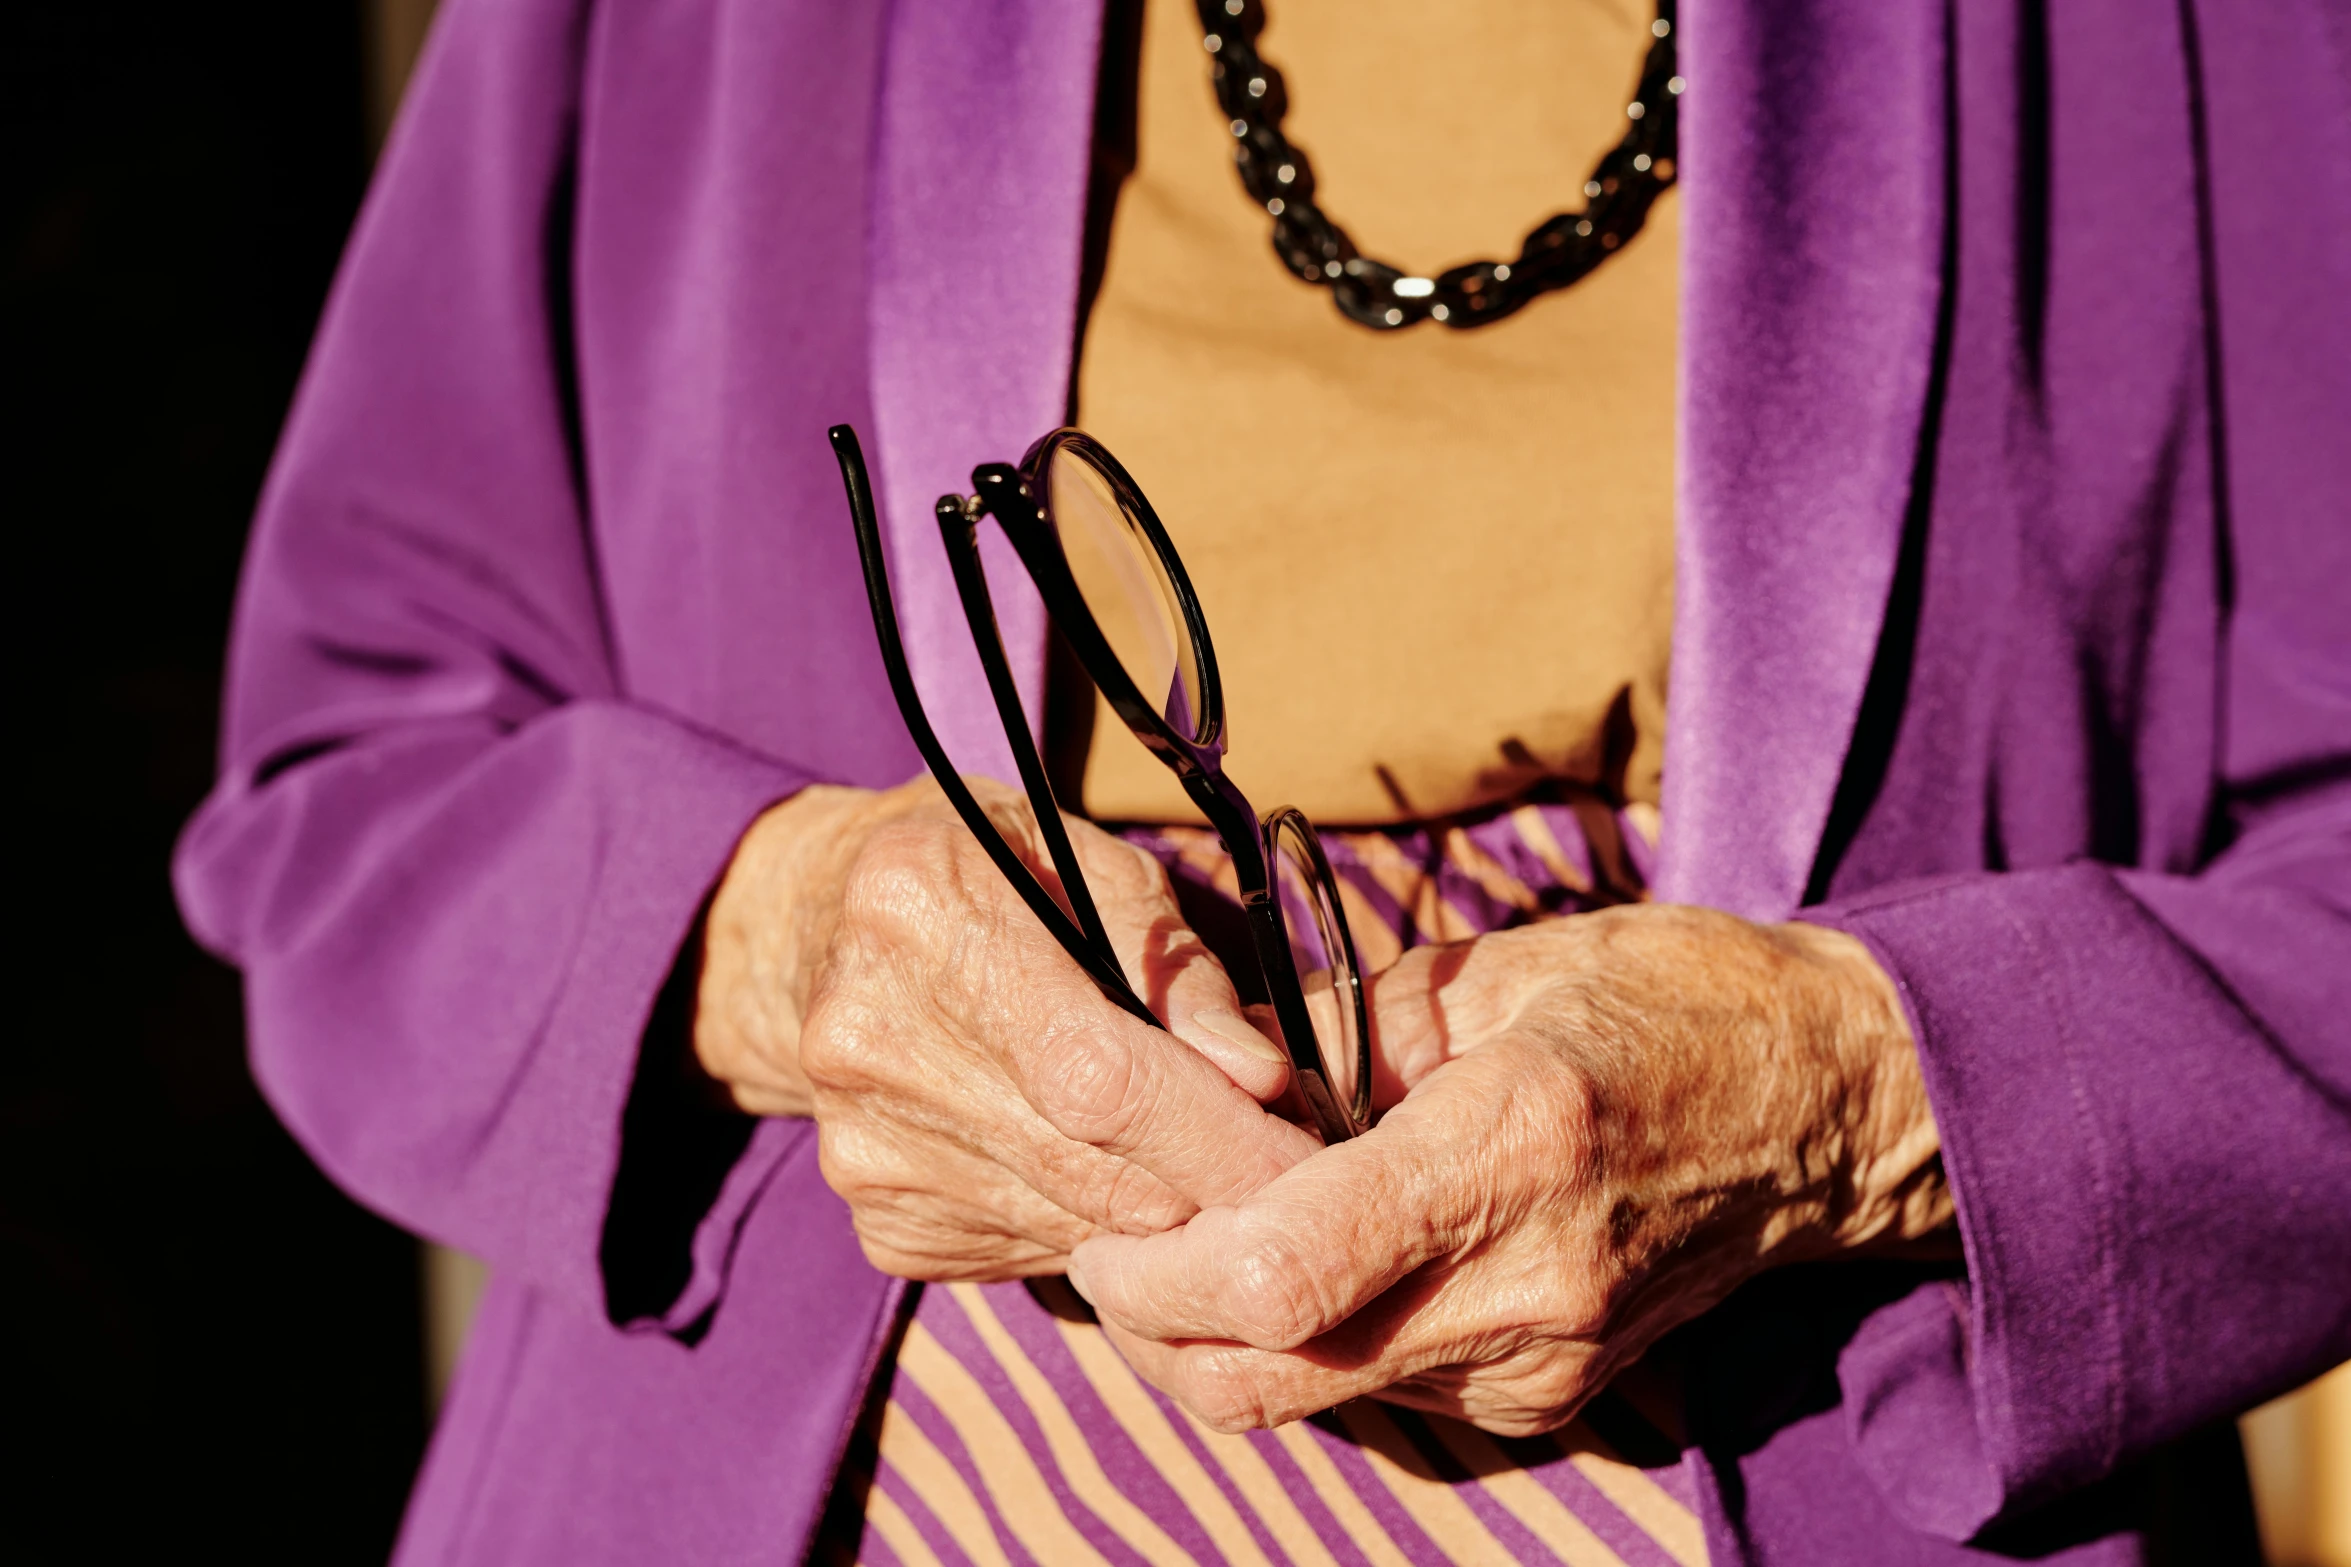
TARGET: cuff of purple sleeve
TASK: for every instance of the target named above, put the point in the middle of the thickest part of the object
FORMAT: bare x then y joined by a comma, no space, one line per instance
689,1169
1910,1412
690,1166
1962,1411
679,799
711,1247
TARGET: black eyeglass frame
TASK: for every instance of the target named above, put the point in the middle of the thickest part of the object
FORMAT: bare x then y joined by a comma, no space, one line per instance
1009,495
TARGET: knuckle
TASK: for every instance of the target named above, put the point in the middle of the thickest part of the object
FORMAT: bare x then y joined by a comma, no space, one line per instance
899,879
888,1252
1575,1291
1537,1389
845,1043
902,1232
1129,871
929,1254
1138,1202
1225,1397
856,1165
918,1218
1550,1385
1271,1299
1106,1191
1514,1422
910,1251
1093,1089
1583,1306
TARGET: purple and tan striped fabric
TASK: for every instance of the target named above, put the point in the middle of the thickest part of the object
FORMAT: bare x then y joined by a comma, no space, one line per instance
1009,1431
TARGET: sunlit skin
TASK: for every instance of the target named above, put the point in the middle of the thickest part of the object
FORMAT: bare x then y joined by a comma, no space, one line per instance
1600,1126
980,1106
1593,1128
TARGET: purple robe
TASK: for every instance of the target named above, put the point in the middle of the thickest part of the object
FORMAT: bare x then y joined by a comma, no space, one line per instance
2014,632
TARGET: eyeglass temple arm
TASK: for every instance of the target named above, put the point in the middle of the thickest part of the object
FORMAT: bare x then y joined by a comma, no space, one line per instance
1097,963
959,532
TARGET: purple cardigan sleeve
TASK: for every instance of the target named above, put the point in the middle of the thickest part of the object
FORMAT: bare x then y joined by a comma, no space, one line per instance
455,861
2147,1126
2143,1080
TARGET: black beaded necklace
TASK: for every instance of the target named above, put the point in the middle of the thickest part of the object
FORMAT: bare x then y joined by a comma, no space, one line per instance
1560,250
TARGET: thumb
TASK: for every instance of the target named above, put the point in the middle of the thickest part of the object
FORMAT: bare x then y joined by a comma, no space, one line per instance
1204,1013
1287,1263
1178,978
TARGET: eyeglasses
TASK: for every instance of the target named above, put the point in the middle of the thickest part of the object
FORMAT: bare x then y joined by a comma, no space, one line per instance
1121,600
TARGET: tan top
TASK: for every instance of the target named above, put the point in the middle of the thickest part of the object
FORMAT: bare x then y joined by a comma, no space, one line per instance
1437,565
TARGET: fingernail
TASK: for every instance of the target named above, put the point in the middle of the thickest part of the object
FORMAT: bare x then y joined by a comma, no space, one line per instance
1234,1029
1078,1284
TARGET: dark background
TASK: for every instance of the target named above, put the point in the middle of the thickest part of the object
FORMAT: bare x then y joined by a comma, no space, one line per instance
207,1345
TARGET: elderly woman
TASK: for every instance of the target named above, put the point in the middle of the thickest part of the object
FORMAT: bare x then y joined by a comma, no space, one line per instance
1878,1104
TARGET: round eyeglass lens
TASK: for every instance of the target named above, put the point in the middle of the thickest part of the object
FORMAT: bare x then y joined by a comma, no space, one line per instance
1126,585
1324,956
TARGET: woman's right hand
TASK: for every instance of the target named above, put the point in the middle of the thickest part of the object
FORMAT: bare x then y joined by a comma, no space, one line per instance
981,1106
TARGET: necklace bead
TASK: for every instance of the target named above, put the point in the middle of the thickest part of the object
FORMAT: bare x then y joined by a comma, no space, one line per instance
1560,251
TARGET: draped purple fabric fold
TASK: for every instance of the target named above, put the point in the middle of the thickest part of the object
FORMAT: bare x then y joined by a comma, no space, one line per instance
2017,355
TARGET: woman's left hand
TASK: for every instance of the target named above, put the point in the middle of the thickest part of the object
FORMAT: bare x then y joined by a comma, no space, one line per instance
1606,1123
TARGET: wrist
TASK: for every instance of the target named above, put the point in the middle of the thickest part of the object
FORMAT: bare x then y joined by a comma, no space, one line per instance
765,934
1891,1189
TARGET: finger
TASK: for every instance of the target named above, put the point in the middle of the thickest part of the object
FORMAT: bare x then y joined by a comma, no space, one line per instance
1298,1258
911,1107
1436,1343
1140,1095
1238,1387
1414,1023
940,1211
764,1099
1101,1078
1171,968
1216,1028
1184,983
1105,1079
1233,1387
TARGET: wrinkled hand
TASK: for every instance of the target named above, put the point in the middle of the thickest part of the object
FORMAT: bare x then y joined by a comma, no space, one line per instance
980,1105
1607,1122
